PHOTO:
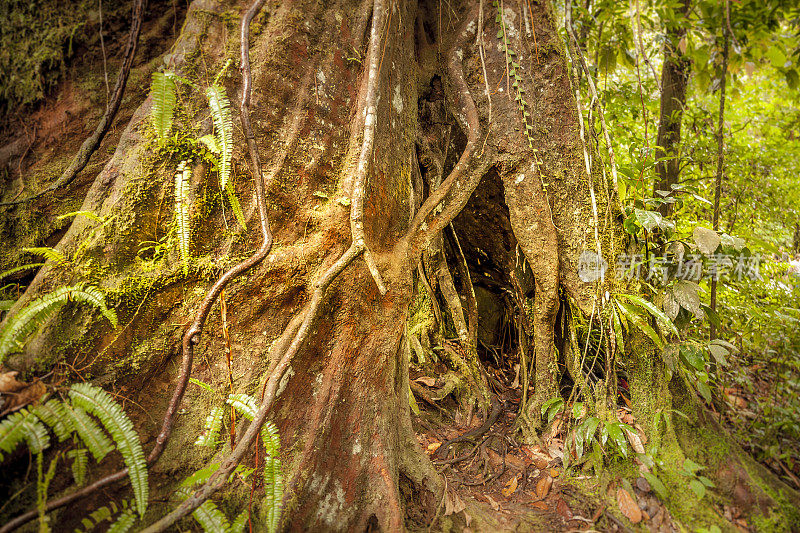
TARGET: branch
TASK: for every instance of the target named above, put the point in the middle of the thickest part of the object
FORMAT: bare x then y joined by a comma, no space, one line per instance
91,144
422,230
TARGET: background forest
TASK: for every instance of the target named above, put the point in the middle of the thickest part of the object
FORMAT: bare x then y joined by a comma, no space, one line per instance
688,115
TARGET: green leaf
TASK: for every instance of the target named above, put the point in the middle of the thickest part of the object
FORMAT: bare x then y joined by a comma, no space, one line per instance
691,467
698,488
183,177
19,426
223,127
630,313
618,437
655,311
89,433
656,484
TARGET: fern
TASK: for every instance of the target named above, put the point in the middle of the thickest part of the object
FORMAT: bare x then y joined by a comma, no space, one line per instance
22,268
19,426
50,254
235,205
223,127
92,436
182,178
27,320
99,403
54,414
80,460
211,429
240,522
123,523
88,214
42,484
162,91
273,476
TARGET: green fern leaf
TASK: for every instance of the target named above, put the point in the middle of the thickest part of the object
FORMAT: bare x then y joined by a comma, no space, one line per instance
124,523
211,519
28,319
162,91
105,514
50,254
244,404
210,434
88,214
223,126
273,477
241,521
53,413
19,426
234,201
42,485
99,403
90,435
182,178
22,268
80,460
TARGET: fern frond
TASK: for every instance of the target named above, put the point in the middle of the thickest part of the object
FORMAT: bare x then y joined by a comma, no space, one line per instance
14,270
19,426
223,126
99,403
90,435
123,523
50,254
244,404
210,434
273,476
162,91
28,319
237,526
80,460
88,214
182,178
211,143
235,205
211,519
54,414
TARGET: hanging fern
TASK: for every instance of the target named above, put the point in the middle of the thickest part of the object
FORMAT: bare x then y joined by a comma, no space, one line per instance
22,268
99,403
162,91
42,485
211,429
273,477
123,523
22,426
223,129
182,178
27,320
234,201
54,414
80,460
92,436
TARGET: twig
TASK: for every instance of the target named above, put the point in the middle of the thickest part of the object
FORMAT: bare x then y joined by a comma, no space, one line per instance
91,144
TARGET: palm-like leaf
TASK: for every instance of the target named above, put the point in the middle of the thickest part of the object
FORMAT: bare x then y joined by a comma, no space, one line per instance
223,127
162,91
182,178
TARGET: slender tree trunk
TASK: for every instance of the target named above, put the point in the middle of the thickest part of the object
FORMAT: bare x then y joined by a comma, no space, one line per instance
674,78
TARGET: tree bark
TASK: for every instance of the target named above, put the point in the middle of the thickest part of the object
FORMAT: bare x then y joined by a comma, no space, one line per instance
674,78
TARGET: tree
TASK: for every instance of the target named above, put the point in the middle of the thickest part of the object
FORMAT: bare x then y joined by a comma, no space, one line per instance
383,134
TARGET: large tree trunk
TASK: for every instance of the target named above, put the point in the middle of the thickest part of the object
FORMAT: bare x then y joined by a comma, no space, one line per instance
522,213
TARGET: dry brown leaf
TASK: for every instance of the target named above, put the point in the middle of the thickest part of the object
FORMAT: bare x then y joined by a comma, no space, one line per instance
510,487
425,380
453,504
540,505
628,506
28,395
494,504
554,472
563,509
432,447
635,440
543,486
9,382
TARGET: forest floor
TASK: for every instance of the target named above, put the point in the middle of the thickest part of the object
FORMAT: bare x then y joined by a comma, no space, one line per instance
516,487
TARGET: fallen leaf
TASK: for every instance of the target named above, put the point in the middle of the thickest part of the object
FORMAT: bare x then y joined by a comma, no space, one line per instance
635,440
510,487
453,504
543,487
494,504
9,382
628,506
554,472
433,447
427,381
28,395
540,505
563,509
